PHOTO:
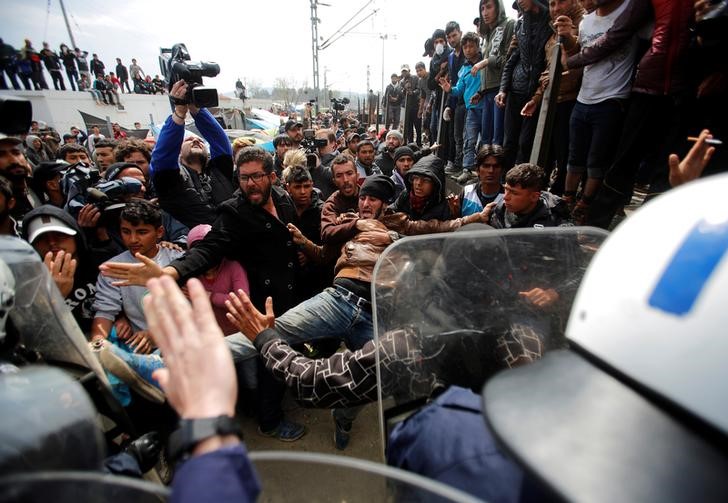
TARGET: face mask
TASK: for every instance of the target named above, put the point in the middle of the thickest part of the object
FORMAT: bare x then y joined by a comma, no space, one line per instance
439,49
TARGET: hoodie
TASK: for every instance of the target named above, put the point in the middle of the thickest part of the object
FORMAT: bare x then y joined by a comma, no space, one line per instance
88,259
436,207
496,42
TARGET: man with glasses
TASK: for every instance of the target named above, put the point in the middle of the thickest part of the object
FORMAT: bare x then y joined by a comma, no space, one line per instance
252,229
191,182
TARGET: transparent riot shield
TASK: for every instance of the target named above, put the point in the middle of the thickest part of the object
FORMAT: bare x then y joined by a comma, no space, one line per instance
297,476
454,309
43,321
74,487
44,325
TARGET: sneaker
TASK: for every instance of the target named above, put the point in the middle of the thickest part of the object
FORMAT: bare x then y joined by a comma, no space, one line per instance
466,176
286,431
452,170
135,370
342,433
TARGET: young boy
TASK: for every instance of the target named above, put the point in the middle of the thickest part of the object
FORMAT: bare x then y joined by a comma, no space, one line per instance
141,229
468,86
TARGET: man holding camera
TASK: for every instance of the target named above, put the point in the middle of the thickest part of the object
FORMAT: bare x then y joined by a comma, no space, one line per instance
190,182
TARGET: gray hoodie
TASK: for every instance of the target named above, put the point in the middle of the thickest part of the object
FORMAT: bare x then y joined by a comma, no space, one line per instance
494,47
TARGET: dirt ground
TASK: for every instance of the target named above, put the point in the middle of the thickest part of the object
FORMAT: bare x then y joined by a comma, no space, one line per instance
319,436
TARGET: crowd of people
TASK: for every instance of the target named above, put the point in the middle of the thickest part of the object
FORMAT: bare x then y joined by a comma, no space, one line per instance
629,93
293,237
82,74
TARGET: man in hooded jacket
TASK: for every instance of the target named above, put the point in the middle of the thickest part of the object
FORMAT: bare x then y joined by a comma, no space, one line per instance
424,197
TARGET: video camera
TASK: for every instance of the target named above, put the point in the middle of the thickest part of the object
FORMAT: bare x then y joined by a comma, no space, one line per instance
83,185
176,65
339,104
310,143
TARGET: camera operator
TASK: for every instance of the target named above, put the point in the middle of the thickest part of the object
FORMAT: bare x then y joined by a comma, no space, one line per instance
191,183
15,167
323,180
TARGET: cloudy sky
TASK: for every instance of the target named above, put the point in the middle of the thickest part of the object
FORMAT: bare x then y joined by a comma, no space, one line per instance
259,40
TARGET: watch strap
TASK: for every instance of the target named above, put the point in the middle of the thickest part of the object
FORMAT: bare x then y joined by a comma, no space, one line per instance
193,431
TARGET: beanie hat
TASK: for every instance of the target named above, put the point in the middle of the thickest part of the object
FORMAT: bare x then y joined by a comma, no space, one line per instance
197,233
396,134
403,151
379,186
30,139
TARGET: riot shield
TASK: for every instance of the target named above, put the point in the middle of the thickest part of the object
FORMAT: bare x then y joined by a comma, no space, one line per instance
296,476
41,317
454,309
45,325
74,487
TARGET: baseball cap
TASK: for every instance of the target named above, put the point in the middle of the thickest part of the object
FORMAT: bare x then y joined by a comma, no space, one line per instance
291,124
405,68
47,170
47,223
8,138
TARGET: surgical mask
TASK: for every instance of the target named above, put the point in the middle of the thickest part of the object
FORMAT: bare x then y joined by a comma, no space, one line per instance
439,49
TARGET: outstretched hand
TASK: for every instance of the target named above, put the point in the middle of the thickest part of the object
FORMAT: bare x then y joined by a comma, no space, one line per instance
199,376
132,274
244,315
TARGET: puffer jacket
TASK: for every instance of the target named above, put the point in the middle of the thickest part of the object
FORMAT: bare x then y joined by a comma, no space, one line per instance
526,62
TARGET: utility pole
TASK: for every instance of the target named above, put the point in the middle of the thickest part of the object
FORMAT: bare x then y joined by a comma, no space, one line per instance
368,74
68,26
315,49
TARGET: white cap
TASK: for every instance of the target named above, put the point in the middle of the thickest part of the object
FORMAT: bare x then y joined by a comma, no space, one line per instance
47,223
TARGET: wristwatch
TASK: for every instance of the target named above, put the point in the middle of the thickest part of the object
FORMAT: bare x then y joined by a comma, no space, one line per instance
193,431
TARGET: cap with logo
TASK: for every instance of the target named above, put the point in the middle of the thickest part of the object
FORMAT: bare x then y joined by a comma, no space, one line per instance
47,223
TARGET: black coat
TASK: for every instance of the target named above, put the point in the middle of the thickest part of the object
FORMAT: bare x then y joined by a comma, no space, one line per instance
122,72
259,241
526,62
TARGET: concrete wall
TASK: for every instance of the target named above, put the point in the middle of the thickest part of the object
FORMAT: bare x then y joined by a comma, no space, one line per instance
60,108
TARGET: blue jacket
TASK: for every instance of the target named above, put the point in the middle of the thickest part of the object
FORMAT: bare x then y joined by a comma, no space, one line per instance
448,441
188,196
467,86
222,476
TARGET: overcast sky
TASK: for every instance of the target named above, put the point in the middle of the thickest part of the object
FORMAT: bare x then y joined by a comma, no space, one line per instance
253,40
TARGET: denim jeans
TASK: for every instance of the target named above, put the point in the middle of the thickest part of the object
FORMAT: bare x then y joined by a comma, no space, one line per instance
593,136
244,358
473,123
491,132
327,315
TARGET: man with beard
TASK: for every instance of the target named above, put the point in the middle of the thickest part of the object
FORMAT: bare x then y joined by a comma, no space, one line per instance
190,182
14,166
294,130
103,154
365,160
7,202
385,161
343,311
344,200
250,228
